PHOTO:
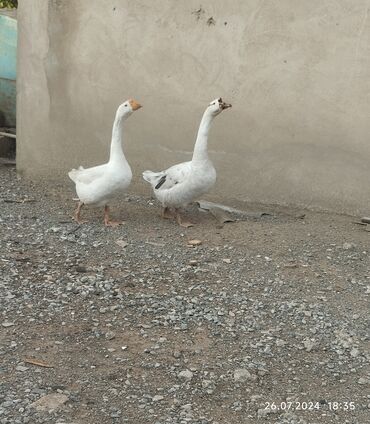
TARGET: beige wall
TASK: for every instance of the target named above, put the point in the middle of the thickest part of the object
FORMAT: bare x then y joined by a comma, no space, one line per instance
296,71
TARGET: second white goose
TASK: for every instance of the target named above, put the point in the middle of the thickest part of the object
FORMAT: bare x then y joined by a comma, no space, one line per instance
183,183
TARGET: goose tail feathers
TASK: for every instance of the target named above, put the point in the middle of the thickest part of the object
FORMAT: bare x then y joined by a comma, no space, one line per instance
73,173
153,178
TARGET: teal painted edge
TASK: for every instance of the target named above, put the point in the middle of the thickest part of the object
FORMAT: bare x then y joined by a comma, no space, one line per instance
8,47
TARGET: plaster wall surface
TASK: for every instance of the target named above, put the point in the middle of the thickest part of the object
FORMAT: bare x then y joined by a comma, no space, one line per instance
296,72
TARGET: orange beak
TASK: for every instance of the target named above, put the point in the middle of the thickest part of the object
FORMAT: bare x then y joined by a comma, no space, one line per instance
134,104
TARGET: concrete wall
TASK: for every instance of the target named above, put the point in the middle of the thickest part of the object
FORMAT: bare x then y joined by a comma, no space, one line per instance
296,71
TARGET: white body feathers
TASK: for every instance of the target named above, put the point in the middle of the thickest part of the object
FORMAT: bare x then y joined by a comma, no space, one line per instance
99,184
183,183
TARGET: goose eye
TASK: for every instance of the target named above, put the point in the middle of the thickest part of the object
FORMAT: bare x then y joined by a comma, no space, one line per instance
125,105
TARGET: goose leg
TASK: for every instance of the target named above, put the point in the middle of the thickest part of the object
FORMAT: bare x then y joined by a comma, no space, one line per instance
166,213
107,221
181,221
77,215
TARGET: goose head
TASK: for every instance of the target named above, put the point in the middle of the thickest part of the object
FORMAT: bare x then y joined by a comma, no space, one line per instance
217,106
127,108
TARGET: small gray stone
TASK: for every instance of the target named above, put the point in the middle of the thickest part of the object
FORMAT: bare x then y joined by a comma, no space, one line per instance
354,352
115,414
262,412
348,246
21,368
50,402
109,335
242,374
186,374
309,345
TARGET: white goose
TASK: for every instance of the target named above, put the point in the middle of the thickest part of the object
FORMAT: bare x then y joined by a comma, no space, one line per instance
181,184
97,185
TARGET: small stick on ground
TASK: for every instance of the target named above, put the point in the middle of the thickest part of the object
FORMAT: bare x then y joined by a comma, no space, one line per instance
37,362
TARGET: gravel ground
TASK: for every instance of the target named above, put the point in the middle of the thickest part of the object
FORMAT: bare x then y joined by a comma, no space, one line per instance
265,321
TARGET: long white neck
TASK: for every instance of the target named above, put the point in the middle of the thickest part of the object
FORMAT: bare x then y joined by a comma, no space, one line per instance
200,148
116,152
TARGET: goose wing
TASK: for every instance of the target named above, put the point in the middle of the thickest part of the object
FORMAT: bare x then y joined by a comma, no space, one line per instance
88,175
167,179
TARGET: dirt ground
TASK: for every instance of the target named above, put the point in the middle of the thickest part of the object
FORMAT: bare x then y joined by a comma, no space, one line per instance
266,321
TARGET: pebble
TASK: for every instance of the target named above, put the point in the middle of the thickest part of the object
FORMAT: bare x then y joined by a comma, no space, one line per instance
50,402
348,246
110,335
81,268
354,352
242,375
186,374
309,344
21,368
194,242
262,413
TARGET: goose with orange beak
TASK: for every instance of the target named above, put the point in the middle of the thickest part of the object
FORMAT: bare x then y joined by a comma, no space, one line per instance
183,183
98,185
